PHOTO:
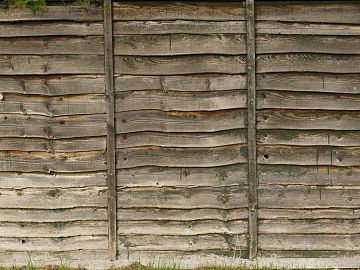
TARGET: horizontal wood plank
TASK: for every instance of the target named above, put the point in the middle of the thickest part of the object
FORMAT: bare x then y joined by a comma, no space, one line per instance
49,162
308,62
177,65
310,119
26,126
183,198
54,64
178,27
136,121
179,44
175,101
189,83
214,139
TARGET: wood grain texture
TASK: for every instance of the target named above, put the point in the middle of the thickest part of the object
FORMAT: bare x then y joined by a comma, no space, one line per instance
183,198
53,198
55,64
308,175
38,29
272,43
175,101
131,11
184,140
306,28
49,162
52,106
188,83
27,126
178,27
309,119
166,65
51,13
179,157
300,100
305,197
305,82
53,85
307,62
136,121
19,180
52,45
309,137
329,12
179,44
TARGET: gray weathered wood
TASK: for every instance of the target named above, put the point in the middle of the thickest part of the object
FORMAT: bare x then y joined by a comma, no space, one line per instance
173,65
55,64
178,157
214,139
23,29
189,83
217,11
52,128
183,198
175,101
309,119
177,27
135,121
179,44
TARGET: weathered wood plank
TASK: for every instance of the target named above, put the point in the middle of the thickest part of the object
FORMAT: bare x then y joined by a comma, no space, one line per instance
305,197
179,44
53,85
309,155
273,43
135,121
309,242
309,214
183,198
52,106
175,101
52,12
308,62
311,119
25,180
54,198
331,83
176,27
308,175
54,64
52,162
309,137
182,228
52,45
329,12
306,28
31,29
130,11
156,214
189,83
299,100
55,215
182,243
180,157
325,226
173,65
26,126
308,255
53,229
31,244
214,139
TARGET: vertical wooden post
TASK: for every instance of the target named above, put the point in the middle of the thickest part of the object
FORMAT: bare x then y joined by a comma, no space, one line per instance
110,120
251,86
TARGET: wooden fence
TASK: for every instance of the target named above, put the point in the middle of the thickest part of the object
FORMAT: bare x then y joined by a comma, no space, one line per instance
187,132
